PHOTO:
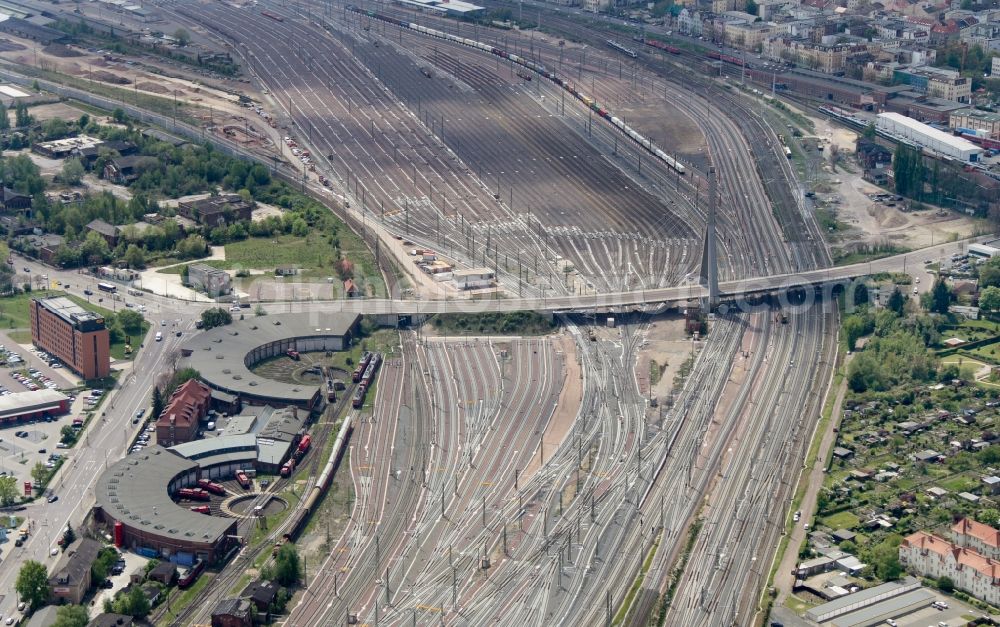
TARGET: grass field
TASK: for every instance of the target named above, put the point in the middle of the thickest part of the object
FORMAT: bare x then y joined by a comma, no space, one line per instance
310,252
841,520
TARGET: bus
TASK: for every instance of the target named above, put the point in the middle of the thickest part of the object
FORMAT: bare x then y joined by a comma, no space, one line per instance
107,287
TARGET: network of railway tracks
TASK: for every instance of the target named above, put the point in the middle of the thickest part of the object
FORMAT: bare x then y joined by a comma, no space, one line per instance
465,513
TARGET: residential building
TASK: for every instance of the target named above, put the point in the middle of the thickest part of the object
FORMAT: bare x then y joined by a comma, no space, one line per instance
79,338
975,120
749,35
262,594
826,58
931,556
218,210
108,231
71,580
995,67
936,82
212,281
232,613
974,535
179,421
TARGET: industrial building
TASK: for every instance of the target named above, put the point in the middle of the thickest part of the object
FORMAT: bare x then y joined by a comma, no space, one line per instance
76,336
914,132
32,405
262,439
475,278
224,355
212,281
134,505
977,122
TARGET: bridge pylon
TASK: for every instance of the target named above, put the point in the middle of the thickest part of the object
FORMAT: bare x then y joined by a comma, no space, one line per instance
708,275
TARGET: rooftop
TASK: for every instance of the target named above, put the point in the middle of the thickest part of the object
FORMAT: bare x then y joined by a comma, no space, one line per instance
984,533
24,402
134,490
221,354
964,557
68,310
929,131
77,562
986,116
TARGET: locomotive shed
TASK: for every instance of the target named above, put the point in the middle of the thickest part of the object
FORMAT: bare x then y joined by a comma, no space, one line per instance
224,355
135,492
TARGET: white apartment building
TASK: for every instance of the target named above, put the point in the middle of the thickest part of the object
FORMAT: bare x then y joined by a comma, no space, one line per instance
930,556
981,538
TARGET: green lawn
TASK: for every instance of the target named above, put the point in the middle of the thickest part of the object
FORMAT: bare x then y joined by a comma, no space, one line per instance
960,483
841,520
14,310
311,252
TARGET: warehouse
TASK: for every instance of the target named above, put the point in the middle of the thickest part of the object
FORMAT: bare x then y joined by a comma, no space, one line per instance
134,495
32,406
907,129
223,356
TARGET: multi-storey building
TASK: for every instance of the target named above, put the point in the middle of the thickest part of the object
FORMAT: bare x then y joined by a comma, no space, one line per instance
187,406
79,338
930,556
975,535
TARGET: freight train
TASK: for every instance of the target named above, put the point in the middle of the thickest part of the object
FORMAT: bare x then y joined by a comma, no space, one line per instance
366,380
360,370
323,482
539,69
659,45
622,49
718,56
276,18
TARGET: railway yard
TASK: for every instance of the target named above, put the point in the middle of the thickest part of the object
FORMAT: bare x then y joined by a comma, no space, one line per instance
507,478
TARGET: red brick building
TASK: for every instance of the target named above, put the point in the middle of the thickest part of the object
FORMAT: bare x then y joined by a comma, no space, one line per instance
179,421
76,336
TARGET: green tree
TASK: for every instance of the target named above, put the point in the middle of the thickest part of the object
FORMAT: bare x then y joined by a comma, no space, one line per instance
896,301
55,128
884,558
945,584
67,434
215,317
133,603
130,321
182,37
71,616
989,273
119,115
95,249
72,172
861,295
8,491
83,122
4,118
287,568
134,257
69,536
988,516
157,402
102,565
21,116
32,584
751,7
941,297
39,473
989,298
869,132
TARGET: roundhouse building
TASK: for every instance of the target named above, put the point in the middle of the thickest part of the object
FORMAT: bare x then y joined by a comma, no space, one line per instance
224,355
135,492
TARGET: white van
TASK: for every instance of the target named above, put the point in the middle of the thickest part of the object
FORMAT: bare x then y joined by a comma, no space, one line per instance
210,426
159,336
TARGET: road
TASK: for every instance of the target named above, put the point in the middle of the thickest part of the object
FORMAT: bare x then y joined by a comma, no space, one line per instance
102,442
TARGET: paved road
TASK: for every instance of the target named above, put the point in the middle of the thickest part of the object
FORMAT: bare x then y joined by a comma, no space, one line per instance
103,442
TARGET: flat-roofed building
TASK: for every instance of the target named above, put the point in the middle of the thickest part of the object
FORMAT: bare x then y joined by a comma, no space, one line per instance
32,405
79,338
975,120
212,281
